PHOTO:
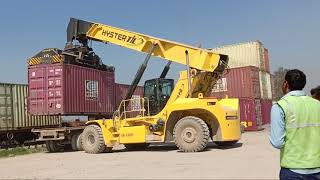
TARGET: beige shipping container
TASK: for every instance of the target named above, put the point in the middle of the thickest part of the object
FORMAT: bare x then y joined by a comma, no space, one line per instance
265,85
244,54
13,110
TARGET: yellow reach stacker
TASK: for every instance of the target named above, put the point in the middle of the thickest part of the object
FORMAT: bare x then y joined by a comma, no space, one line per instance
178,112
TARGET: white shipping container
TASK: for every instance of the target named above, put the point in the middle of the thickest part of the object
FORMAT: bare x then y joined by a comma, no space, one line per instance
265,85
244,54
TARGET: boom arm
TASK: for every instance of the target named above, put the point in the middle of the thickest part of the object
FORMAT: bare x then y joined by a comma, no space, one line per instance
200,59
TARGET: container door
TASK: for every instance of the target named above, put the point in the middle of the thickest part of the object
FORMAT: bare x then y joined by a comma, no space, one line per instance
19,99
37,90
247,114
6,115
258,114
55,92
255,83
266,106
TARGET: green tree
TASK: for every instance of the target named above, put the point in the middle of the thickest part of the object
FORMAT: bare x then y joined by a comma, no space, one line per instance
278,79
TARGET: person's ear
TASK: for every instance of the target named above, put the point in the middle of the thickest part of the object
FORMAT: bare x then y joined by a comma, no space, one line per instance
285,87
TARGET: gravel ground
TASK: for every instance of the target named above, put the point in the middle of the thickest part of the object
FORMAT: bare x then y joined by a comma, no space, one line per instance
252,158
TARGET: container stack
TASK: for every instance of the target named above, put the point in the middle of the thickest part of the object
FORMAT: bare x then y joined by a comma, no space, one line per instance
248,78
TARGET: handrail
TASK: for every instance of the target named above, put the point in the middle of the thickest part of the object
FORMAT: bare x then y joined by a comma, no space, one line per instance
122,114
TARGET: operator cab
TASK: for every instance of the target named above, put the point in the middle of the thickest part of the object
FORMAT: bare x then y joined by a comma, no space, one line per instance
158,91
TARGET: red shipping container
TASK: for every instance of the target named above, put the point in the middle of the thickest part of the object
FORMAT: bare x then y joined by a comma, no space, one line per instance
266,60
238,82
121,91
70,90
250,114
266,111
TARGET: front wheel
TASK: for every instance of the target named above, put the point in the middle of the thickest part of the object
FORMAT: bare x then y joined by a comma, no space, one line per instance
191,134
92,140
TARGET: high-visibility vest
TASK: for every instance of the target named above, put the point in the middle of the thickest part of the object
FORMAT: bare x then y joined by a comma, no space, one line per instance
302,138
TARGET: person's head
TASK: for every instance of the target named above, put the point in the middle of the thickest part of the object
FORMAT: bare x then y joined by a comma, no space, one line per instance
294,80
315,93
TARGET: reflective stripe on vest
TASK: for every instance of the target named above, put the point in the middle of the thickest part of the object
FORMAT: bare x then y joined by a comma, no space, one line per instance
302,125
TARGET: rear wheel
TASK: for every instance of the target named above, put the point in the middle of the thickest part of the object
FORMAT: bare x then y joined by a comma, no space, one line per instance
191,134
92,140
76,143
225,143
53,146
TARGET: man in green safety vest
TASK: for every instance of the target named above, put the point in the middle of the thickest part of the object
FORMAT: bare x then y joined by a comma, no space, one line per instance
295,129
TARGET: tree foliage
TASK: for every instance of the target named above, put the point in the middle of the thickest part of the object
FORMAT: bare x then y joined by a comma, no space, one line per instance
278,80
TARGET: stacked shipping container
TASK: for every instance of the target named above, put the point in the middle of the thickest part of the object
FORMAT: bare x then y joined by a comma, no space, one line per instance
13,110
246,54
249,80
238,82
61,88
67,89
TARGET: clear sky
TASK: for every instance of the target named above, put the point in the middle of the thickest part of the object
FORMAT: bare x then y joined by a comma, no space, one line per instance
289,29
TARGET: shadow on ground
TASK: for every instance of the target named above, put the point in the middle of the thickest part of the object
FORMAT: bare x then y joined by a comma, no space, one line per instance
172,147
166,147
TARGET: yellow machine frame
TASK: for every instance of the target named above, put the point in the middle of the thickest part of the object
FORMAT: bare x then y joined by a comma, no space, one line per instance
188,98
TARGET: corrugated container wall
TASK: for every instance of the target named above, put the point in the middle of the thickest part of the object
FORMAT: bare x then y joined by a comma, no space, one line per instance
266,110
121,92
13,110
238,82
250,113
70,90
245,54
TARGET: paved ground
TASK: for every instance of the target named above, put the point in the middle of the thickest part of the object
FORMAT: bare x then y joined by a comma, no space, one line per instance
252,158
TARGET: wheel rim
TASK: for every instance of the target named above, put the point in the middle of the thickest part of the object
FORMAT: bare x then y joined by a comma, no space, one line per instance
189,135
91,139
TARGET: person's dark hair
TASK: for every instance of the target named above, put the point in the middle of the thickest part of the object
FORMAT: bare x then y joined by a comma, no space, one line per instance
315,91
296,79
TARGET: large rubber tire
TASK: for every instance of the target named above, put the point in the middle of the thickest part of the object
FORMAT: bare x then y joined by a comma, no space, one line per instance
48,146
191,134
52,146
76,143
79,143
225,143
137,147
92,140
